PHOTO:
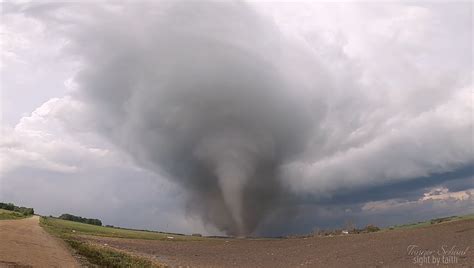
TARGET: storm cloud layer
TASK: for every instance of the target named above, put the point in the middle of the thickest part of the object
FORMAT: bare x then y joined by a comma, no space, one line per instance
256,114
198,95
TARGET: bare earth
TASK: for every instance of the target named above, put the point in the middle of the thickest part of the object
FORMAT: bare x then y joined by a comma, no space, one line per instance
381,249
23,243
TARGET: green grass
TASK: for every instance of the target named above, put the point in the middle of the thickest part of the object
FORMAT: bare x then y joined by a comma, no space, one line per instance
434,221
11,215
106,257
62,227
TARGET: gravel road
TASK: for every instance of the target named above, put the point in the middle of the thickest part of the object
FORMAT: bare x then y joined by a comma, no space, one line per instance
23,243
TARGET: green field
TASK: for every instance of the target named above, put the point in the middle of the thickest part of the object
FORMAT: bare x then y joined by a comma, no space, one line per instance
11,215
434,221
63,227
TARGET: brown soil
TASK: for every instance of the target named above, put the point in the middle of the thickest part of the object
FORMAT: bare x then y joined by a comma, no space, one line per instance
381,249
23,243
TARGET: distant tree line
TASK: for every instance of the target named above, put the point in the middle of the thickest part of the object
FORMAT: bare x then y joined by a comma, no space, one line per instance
70,217
23,210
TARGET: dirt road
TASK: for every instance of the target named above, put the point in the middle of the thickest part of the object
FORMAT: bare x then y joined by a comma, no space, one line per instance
381,249
23,243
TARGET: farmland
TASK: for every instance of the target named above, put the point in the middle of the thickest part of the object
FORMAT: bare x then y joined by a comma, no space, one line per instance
365,249
75,244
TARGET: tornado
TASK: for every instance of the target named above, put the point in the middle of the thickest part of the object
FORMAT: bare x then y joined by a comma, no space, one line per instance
196,92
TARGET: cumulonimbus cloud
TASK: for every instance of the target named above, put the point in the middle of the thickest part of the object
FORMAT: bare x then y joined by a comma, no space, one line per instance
214,97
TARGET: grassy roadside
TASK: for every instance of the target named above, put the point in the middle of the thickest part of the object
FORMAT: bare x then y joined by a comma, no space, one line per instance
101,256
11,215
107,257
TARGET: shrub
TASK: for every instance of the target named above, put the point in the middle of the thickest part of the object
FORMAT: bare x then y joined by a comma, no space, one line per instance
70,217
7,206
440,220
371,228
23,210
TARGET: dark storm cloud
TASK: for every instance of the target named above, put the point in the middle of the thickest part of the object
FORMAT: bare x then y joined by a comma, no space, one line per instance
258,126
405,189
197,94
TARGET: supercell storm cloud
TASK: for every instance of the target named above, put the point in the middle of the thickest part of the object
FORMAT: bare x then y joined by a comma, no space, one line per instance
200,95
252,118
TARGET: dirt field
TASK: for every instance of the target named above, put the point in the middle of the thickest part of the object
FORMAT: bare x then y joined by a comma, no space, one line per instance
23,243
381,249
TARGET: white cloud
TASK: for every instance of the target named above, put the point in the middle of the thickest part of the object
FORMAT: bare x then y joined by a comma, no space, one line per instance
440,198
41,140
443,193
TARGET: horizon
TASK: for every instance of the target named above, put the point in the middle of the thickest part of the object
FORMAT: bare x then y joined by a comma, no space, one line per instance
238,118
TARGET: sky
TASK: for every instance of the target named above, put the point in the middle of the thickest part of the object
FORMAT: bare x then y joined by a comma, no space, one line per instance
241,118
